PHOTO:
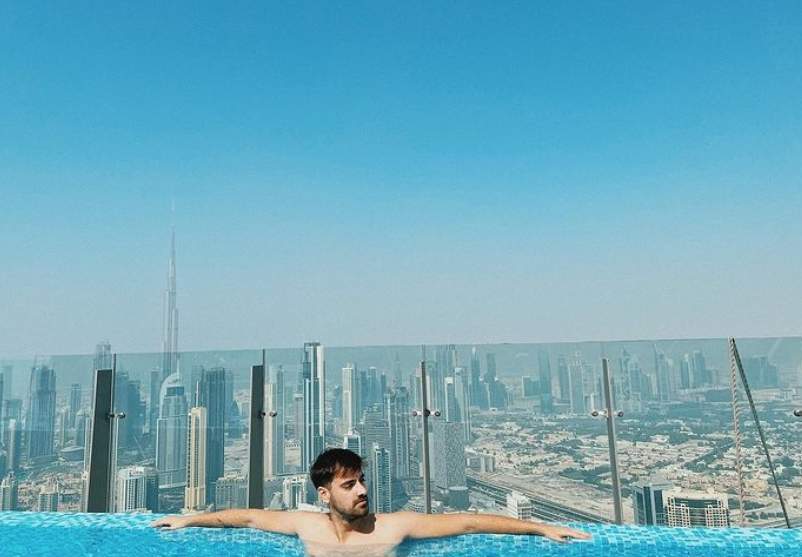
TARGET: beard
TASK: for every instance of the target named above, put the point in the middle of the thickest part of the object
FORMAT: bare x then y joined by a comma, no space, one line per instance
354,512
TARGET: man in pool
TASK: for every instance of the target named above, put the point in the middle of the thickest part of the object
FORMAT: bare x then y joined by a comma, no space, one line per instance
337,475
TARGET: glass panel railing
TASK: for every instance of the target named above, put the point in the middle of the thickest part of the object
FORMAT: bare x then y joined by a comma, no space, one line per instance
183,444
682,461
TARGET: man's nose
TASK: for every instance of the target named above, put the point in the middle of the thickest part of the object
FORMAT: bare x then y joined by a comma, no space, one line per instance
361,488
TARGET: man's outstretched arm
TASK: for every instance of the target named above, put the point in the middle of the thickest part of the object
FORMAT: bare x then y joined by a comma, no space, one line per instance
272,521
417,525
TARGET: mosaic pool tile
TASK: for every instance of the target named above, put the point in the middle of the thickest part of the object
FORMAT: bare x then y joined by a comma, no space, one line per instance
25,534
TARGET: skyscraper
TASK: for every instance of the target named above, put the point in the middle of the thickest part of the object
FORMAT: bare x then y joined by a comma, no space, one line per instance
195,492
277,377
8,380
351,393
373,430
102,359
75,402
211,394
41,412
448,466
137,489
171,434
546,395
9,491
399,418
476,379
170,330
353,442
463,398
647,501
381,486
576,383
314,390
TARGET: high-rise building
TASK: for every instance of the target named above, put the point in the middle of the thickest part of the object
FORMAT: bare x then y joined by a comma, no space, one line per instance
399,421
298,417
75,402
102,359
576,384
137,489
381,487
48,499
519,506
171,432
274,440
690,509
13,443
8,380
314,390
448,463
195,492
546,395
374,429
663,371
170,330
295,491
478,391
353,442
231,492
462,399
211,394
9,491
701,374
351,397
41,413
564,379
647,501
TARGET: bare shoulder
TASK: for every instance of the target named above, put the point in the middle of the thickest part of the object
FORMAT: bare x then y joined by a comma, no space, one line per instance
285,522
402,520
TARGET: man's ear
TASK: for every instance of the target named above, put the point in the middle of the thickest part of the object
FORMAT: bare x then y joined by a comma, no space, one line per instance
323,494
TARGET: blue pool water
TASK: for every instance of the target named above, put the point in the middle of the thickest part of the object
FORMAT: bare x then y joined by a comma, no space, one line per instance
115,535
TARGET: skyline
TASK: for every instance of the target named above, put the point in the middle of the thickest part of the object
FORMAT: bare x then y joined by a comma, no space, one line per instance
482,174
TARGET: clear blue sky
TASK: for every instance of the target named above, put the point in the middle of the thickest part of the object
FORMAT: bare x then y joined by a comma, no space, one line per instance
365,173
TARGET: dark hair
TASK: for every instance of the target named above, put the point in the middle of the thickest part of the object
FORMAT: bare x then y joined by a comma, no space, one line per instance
329,462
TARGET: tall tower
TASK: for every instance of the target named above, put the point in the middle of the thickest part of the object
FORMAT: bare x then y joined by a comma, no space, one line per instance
195,493
314,390
350,397
211,394
171,434
398,417
170,338
381,499
41,412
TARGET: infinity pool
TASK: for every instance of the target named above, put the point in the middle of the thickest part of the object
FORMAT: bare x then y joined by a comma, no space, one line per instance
117,535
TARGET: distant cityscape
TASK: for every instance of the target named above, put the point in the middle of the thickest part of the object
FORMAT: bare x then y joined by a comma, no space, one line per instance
512,429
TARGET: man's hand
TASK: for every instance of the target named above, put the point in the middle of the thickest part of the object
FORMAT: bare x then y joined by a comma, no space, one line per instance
561,533
171,522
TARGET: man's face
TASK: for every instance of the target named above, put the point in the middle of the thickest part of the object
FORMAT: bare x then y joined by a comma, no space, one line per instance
348,494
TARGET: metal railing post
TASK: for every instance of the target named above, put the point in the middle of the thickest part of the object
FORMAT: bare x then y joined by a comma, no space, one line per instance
256,438
101,460
612,440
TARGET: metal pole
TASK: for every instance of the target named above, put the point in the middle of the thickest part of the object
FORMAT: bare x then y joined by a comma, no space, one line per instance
427,495
611,438
256,438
